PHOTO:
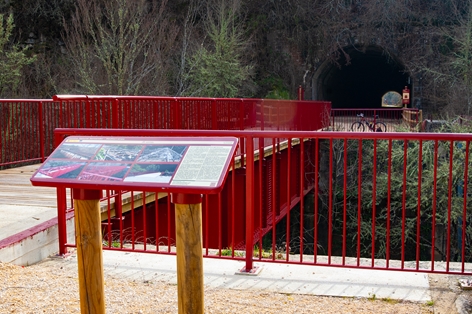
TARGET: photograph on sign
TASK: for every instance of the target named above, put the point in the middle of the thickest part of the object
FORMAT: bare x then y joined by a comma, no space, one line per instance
159,153
151,173
74,151
102,171
118,152
136,161
60,169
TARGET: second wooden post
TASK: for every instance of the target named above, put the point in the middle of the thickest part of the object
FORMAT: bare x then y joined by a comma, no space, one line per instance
188,229
89,250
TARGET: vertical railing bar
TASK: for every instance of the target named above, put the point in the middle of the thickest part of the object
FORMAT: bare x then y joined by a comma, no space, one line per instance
241,114
435,187
449,205
214,115
144,221
7,149
389,202
75,115
302,197
359,203
315,200
62,219
464,211
2,139
109,234
405,150
418,215
261,193
330,201
273,195
169,221
22,136
156,220
88,114
374,201
233,208
41,132
20,132
249,201
132,221
344,204
33,128
289,203
156,115
119,207
220,226
206,205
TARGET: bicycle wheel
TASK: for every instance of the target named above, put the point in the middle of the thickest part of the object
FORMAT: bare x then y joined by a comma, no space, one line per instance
357,127
380,127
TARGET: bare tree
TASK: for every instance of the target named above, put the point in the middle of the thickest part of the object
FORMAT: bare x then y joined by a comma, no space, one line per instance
120,47
189,34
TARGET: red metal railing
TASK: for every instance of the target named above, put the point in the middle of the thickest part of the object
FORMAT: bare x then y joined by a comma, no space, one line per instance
393,118
390,201
26,126
20,125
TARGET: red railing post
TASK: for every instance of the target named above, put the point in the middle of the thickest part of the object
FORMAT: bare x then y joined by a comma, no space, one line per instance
177,109
249,202
214,116
115,113
62,220
332,119
301,93
41,131
241,115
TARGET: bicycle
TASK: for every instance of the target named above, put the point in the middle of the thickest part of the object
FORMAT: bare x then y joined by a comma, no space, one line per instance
374,126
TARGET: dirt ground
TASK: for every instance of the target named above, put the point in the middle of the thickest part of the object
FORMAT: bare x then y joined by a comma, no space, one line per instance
447,295
50,288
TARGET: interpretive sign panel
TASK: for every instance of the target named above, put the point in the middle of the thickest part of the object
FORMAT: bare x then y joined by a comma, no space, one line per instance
174,164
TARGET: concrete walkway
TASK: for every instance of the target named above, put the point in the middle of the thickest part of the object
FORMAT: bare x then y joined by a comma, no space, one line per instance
282,278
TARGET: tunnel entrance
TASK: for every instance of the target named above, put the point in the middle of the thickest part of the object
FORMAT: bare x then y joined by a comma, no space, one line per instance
361,83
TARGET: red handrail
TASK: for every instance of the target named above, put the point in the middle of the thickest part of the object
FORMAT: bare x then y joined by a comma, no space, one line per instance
314,169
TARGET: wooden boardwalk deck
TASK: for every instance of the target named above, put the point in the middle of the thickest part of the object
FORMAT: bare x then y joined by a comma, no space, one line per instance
16,189
22,205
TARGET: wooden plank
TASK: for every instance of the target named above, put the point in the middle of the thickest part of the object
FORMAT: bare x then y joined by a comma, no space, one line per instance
16,189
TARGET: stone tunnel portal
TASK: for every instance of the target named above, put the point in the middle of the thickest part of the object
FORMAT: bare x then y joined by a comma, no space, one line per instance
361,82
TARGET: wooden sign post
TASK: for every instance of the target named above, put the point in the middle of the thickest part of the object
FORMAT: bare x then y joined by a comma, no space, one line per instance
88,234
188,231
184,167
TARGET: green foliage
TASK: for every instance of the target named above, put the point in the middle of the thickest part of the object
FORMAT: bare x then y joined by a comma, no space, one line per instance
372,297
462,61
230,251
12,59
277,89
219,70
395,210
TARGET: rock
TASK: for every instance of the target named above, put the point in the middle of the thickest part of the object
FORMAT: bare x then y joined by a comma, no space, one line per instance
464,304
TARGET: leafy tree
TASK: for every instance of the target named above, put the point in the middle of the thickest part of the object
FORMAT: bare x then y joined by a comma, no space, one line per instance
12,59
218,70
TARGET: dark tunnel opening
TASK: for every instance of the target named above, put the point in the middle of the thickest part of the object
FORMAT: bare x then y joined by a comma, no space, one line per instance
363,81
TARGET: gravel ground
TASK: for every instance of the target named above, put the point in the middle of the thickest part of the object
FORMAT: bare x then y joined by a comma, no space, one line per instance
50,288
